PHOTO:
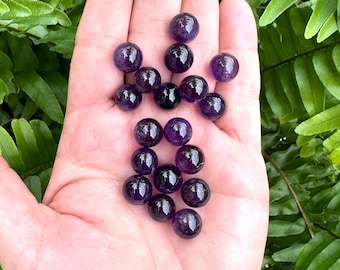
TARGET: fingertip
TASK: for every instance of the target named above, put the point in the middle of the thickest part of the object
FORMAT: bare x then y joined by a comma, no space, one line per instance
236,17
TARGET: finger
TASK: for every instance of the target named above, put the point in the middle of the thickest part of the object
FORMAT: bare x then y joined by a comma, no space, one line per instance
16,209
93,76
149,29
205,45
238,36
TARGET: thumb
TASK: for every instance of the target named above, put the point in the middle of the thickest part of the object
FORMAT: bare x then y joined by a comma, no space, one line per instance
17,209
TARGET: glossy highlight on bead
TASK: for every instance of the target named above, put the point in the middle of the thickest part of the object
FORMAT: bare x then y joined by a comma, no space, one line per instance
187,223
128,57
178,131
189,159
178,58
212,107
148,132
224,67
128,97
144,161
167,178
161,207
137,189
184,27
195,192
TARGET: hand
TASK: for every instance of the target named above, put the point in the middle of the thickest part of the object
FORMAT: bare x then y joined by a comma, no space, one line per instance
84,221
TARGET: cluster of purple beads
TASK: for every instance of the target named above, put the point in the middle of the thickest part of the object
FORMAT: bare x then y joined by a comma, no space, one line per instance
189,159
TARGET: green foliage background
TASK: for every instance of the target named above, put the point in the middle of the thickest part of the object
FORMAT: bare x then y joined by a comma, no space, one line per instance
300,107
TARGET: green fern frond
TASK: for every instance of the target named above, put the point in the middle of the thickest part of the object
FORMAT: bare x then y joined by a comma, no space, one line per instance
31,154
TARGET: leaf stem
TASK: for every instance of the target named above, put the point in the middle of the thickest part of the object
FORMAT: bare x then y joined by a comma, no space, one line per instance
292,191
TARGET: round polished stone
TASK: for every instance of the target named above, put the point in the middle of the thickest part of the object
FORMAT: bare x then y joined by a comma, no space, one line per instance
128,57
148,132
178,131
193,88
224,67
167,96
167,178
128,97
187,223
189,159
161,207
195,192
212,107
178,58
137,189
144,161
147,79
184,27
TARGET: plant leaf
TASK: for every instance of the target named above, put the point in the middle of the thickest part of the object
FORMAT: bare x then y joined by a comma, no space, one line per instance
288,254
36,7
322,252
10,151
319,16
281,228
325,121
328,29
311,89
47,145
40,92
327,72
27,143
274,9
33,183
3,8
15,10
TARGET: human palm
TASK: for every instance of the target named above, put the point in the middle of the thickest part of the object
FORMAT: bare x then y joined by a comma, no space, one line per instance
84,221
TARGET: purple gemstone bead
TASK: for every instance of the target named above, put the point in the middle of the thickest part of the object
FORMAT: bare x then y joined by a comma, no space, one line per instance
189,159
128,57
147,79
148,132
195,192
167,96
184,27
137,189
178,58
212,107
193,88
161,207
224,67
187,223
178,131
144,161
128,97
167,178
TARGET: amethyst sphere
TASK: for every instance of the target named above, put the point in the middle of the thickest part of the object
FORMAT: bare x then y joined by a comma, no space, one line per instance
148,132
167,96
144,161
212,107
167,178
128,97
187,223
195,192
184,27
189,159
147,79
128,57
178,131
193,88
137,189
178,58
161,207
224,67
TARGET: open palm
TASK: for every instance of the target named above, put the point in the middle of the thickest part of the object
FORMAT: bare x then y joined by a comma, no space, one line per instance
84,221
